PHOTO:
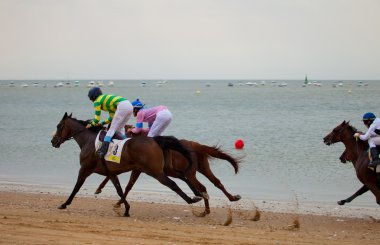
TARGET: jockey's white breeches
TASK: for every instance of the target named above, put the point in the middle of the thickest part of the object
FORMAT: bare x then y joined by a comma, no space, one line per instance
163,119
374,141
123,113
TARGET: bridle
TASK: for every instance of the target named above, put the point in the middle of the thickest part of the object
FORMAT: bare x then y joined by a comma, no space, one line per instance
60,139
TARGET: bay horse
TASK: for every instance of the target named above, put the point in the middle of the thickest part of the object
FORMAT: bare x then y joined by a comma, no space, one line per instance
356,152
140,153
200,156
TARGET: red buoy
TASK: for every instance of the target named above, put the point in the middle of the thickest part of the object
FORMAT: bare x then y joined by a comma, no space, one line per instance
239,144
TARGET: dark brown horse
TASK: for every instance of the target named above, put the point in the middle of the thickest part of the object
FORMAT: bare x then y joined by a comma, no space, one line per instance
200,155
356,152
140,153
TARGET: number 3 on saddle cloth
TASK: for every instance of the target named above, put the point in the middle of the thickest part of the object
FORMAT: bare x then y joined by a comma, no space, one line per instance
114,149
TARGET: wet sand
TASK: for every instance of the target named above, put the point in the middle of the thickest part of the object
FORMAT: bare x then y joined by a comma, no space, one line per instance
30,218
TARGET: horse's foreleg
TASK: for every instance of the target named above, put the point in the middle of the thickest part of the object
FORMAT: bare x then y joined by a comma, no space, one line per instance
132,180
203,190
191,185
116,183
359,192
82,175
163,179
101,186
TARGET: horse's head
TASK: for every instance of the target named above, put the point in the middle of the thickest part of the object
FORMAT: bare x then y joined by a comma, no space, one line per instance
340,133
63,133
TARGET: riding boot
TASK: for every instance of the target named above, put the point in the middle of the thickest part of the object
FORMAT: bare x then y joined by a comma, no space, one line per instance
375,158
103,149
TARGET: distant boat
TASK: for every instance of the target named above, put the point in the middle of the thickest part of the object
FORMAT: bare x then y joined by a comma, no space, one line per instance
283,84
24,85
251,84
11,84
143,84
230,84
263,83
76,83
35,84
100,83
91,84
110,83
208,84
306,81
58,85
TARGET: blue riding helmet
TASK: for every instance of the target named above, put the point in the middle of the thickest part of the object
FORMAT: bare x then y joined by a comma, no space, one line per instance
94,93
137,104
369,116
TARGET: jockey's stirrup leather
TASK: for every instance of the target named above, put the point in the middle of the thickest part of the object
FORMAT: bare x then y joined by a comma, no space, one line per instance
375,158
103,149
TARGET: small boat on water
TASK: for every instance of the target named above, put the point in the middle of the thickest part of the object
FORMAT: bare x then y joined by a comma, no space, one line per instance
110,84
143,84
91,84
24,85
76,83
230,84
58,85
36,84
11,84
283,84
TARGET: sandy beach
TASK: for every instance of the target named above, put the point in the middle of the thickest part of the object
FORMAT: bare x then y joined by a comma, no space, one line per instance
32,218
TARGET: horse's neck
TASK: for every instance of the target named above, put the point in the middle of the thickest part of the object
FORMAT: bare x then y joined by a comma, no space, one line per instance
352,148
355,149
84,136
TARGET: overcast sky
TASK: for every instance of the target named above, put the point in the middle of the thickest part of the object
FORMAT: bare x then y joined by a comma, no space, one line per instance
189,39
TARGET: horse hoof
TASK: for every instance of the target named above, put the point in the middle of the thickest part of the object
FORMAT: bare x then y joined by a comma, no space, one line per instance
98,191
116,205
62,206
236,198
196,199
126,215
341,202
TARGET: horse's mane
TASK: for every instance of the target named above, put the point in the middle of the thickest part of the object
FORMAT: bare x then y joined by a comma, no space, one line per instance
353,129
84,123
362,144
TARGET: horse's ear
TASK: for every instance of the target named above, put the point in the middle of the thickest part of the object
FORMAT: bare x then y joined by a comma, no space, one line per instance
64,116
70,115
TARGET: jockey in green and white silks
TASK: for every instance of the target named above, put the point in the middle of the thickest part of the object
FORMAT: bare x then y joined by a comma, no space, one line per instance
372,136
120,110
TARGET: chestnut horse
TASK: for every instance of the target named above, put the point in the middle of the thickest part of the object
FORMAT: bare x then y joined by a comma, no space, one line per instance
140,153
356,152
200,155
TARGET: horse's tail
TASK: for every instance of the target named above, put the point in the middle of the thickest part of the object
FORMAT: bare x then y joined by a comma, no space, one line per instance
172,143
215,152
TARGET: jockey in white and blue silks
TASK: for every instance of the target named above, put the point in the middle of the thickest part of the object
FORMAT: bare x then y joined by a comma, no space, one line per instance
372,136
158,118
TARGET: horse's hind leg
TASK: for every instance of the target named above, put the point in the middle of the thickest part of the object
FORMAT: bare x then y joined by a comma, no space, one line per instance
116,183
206,171
101,186
132,180
163,179
82,175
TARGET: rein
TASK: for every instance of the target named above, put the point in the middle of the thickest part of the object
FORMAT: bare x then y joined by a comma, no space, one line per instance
74,133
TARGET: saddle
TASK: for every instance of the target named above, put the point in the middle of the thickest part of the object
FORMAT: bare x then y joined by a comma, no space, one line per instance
103,133
115,148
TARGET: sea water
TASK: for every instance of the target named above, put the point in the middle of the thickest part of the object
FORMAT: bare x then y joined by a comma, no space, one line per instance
284,157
